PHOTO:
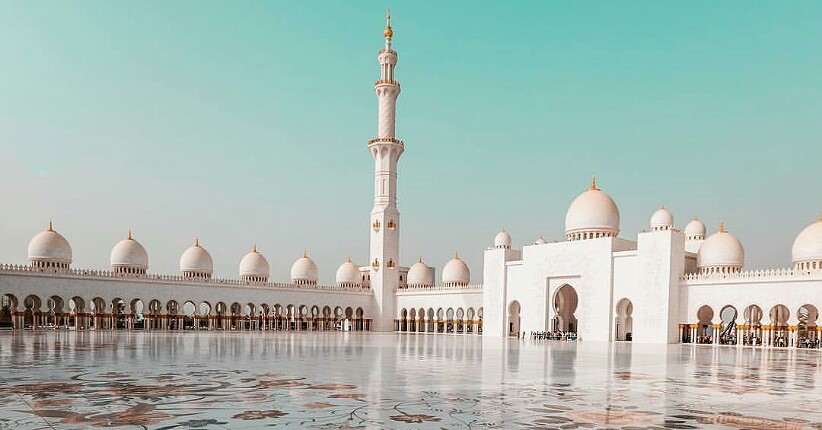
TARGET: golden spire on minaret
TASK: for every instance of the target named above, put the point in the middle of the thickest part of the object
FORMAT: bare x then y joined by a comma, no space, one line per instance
388,33
594,183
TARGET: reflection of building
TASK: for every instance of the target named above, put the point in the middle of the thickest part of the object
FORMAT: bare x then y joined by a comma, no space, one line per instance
665,286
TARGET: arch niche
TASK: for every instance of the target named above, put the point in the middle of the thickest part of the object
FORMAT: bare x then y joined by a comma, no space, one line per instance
624,324
514,319
565,305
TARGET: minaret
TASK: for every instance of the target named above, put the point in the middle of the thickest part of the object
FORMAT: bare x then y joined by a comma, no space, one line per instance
385,218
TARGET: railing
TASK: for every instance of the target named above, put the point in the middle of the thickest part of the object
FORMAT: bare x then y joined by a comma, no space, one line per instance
89,273
753,274
417,288
386,82
386,139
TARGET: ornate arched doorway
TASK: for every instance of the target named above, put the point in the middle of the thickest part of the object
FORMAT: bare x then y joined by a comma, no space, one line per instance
514,319
624,325
565,304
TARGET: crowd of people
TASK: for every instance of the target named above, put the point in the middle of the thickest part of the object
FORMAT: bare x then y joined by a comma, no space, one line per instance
552,335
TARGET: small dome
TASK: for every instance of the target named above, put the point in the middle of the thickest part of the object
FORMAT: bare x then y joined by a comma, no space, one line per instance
721,253
502,240
695,230
591,215
196,262
129,257
348,274
304,271
806,252
420,275
254,267
49,249
540,241
662,219
456,272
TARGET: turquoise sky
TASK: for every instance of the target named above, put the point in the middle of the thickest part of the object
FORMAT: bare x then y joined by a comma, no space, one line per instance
247,122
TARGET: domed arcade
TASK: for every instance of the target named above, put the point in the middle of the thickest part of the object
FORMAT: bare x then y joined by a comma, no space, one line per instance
806,252
254,267
49,250
304,271
593,214
722,252
129,257
456,273
196,262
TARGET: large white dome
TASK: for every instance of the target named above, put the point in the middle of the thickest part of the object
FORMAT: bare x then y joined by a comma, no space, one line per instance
196,262
722,252
254,267
695,230
456,272
304,271
129,256
591,215
348,274
49,249
806,252
420,275
662,219
502,240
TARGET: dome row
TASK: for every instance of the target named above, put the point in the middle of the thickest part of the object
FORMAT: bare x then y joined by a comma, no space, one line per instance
594,214
51,251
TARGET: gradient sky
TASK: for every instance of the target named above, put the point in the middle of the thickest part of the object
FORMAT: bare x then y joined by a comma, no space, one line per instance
244,122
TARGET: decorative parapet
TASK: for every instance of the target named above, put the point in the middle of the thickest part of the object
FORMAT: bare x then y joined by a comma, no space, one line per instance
754,275
387,140
418,288
386,82
106,274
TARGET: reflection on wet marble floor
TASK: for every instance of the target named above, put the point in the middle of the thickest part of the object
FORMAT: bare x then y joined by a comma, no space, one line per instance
213,380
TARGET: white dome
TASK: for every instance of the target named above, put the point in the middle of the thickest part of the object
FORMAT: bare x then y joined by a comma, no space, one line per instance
593,214
254,267
722,251
48,246
129,254
304,271
502,240
456,272
662,219
540,241
695,230
196,261
348,274
808,245
420,275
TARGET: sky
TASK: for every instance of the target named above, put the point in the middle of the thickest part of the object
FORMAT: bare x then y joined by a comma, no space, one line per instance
247,122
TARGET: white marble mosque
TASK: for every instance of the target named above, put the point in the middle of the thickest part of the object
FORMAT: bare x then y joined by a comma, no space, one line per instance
662,285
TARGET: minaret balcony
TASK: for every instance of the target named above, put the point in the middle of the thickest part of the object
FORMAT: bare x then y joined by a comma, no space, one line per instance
386,82
386,140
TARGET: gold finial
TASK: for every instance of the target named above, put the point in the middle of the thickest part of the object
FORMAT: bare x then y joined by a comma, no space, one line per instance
420,260
305,253
51,226
348,259
196,241
696,218
254,248
129,235
722,227
820,216
389,32
662,206
594,183
457,255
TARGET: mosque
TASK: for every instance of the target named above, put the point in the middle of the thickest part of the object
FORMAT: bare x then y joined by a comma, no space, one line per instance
665,286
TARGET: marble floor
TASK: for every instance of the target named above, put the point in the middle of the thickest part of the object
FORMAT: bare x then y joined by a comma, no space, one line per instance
209,380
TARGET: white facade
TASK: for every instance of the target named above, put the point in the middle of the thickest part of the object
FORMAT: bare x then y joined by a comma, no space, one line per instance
665,286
